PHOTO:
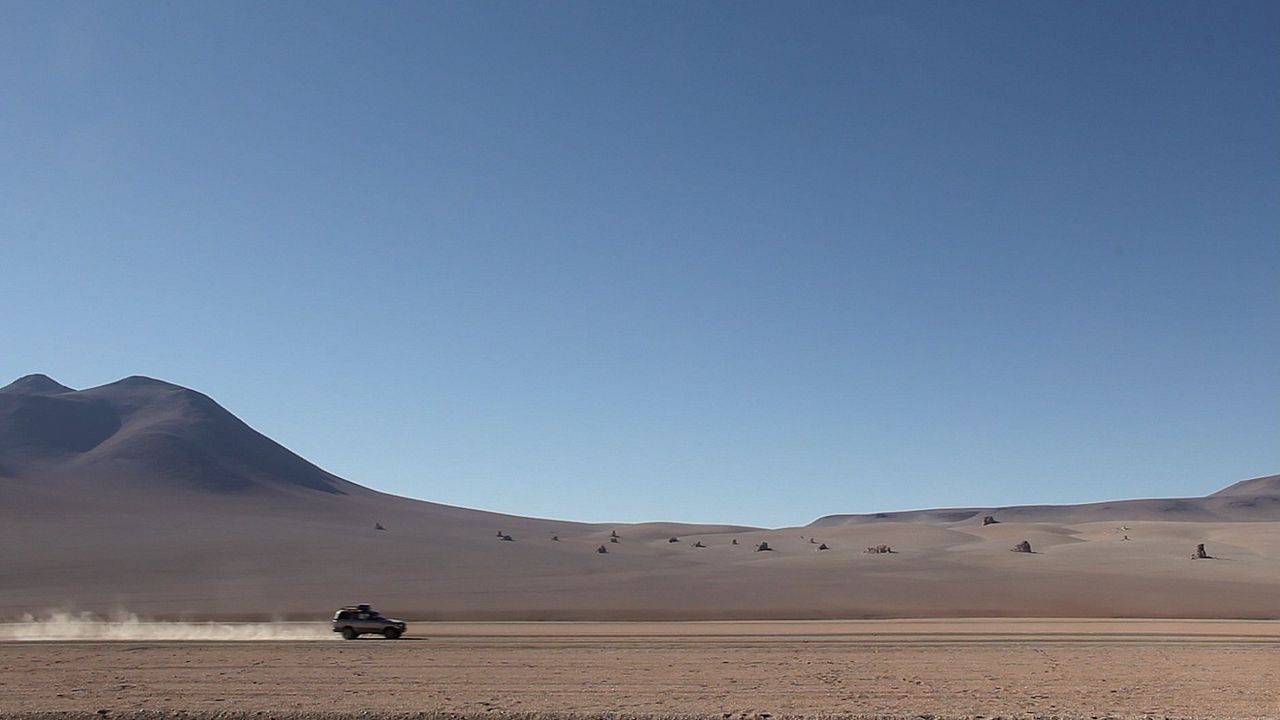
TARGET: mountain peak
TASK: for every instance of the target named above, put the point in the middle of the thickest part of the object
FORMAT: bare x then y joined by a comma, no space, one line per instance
142,381
35,384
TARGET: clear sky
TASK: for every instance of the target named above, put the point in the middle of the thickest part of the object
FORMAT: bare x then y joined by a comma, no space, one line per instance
743,261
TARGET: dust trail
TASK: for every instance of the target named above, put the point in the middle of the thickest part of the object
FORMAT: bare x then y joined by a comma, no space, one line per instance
127,626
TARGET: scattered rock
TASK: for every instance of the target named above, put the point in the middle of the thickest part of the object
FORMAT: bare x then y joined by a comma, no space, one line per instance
613,534
555,538
613,539
378,526
1200,553
500,533
735,541
699,544
823,546
764,547
812,541
879,550
673,540
989,520
602,550
1023,546
508,538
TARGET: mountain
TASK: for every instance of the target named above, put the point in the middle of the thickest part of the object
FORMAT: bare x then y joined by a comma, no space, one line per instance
140,435
148,497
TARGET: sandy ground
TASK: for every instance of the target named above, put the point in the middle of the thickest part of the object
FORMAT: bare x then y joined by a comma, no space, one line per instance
244,566
941,668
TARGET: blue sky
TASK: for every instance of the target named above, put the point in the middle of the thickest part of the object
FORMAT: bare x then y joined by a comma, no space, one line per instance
745,262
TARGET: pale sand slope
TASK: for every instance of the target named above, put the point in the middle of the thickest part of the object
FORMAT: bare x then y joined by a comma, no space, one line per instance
940,669
248,562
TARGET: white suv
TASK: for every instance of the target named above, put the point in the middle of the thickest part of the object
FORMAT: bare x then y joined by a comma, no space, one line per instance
356,620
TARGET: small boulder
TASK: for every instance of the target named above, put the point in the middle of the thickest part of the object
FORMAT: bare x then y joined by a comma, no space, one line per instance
378,526
735,541
673,540
602,550
613,539
764,547
823,546
555,538
989,520
1023,547
613,534
508,538
1200,553
699,544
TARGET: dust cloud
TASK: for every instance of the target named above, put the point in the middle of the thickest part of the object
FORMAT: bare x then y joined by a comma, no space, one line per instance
127,626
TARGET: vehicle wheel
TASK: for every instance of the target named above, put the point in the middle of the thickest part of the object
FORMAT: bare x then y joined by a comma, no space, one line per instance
349,633
391,633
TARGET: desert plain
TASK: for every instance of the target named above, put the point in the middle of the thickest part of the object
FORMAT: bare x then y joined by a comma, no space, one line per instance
220,555
1044,668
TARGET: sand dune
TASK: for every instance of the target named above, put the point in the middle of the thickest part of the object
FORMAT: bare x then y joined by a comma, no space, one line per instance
145,497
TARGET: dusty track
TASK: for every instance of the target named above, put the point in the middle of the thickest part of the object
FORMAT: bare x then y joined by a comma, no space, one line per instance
907,668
